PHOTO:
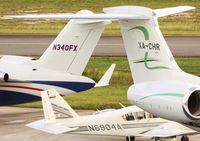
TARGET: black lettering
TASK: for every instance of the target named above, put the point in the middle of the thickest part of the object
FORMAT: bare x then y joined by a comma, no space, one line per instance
107,126
157,46
91,128
140,46
113,127
102,127
70,47
119,127
75,47
63,47
54,46
58,47
143,46
66,47
96,127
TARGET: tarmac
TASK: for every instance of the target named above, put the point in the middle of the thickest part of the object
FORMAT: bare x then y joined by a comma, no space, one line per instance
107,45
14,119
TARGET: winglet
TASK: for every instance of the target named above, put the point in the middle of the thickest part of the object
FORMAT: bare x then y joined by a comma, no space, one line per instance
172,10
104,81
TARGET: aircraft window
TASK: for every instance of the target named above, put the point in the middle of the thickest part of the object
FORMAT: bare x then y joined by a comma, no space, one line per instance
141,115
128,117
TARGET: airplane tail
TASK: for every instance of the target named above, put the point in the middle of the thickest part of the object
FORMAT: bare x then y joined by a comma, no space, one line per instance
55,108
72,48
148,53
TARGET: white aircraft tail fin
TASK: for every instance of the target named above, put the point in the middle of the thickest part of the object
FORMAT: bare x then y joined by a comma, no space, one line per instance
73,47
55,107
148,53
104,81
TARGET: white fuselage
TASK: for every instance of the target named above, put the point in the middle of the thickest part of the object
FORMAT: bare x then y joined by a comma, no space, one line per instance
27,78
112,123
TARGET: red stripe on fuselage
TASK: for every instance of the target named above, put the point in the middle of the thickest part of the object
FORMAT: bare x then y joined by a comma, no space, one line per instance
22,87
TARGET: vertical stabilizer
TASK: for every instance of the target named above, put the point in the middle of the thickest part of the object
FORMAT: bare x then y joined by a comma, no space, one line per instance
55,107
72,48
148,53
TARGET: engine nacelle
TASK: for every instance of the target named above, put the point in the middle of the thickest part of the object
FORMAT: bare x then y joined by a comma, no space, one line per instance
191,105
172,100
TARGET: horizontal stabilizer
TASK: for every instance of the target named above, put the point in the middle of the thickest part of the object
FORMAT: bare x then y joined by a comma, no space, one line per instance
78,16
53,128
111,13
172,10
104,81
146,12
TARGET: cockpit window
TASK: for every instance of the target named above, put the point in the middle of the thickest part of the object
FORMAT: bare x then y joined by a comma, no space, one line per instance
128,117
137,116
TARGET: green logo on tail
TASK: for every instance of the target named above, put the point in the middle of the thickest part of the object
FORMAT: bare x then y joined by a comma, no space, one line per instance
144,30
152,68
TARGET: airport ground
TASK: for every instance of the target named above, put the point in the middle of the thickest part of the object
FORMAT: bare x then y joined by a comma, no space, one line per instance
13,121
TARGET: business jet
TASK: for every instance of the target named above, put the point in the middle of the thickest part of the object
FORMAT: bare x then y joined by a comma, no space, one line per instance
129,122
160,86
60,66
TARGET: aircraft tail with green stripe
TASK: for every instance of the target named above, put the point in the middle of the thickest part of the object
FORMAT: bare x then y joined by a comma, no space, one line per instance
148,53
160,86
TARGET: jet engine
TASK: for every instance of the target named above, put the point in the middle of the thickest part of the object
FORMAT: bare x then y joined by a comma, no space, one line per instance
173,100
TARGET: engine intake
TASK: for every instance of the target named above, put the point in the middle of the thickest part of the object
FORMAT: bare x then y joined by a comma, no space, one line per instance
194,103
191,107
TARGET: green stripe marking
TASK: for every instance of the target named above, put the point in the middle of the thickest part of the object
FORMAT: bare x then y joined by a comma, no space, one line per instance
152,68
143,29
164,94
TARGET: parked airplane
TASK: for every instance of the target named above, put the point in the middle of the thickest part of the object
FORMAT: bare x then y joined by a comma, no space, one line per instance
129,122
160,86
60,67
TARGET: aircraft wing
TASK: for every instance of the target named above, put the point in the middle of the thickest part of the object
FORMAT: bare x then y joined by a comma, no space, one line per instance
53,128
169,129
